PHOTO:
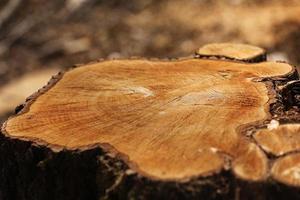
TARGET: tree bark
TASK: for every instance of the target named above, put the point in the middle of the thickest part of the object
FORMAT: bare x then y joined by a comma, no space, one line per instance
191,128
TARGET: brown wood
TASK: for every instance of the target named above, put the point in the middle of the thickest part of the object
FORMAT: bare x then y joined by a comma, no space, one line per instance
157,129
232,51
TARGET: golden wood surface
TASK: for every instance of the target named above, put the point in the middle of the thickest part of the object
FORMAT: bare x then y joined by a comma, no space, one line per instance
167,119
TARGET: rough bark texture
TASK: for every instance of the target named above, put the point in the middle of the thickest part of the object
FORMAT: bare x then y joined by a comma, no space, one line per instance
34,166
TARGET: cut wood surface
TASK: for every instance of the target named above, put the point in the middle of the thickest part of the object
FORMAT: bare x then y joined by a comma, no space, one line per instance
167,122
145,109
240,52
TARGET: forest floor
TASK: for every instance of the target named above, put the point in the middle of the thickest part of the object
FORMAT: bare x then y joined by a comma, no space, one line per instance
40,37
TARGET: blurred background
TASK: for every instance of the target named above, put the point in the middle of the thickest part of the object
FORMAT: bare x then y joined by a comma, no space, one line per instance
40,37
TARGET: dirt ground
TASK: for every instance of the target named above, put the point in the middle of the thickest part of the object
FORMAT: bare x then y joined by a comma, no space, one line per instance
40,37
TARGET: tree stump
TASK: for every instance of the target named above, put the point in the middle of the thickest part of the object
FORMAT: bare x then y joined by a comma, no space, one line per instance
221,125
238,52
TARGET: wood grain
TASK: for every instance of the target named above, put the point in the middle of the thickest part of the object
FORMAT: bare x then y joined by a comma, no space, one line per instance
233,51
221,125
161,116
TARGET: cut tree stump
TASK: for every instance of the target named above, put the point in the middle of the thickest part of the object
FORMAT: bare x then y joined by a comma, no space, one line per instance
240,52
191,128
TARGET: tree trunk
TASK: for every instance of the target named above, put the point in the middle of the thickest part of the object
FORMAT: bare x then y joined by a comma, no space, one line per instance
210,127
